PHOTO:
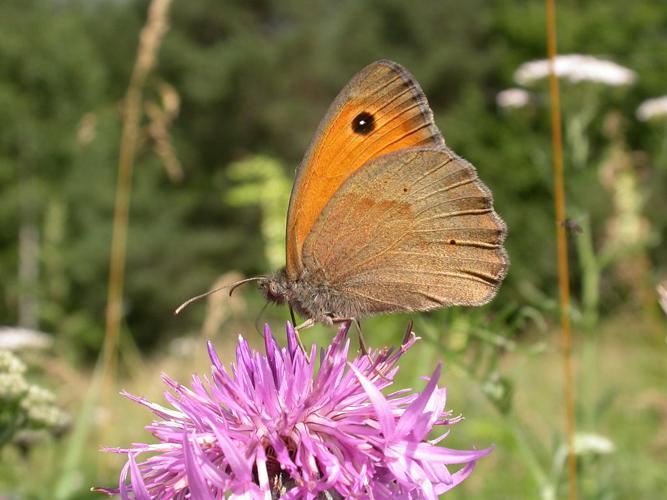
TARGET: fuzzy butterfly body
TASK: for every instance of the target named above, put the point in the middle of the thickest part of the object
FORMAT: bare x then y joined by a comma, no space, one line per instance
383,217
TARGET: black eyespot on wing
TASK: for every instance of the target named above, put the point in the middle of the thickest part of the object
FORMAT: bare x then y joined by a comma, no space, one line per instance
363,123
452,242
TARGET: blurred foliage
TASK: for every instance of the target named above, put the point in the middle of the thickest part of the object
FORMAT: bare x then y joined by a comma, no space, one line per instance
254,78
248,82
262,181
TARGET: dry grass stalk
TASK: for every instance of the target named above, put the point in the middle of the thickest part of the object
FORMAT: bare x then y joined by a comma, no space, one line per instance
161,118
149,43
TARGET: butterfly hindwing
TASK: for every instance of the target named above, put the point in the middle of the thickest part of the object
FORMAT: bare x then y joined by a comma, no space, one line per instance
412,230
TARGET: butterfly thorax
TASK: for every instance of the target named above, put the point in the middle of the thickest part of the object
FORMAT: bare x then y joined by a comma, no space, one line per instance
310,297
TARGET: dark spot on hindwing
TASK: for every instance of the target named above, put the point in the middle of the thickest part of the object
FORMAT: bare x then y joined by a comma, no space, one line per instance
452,242
363,123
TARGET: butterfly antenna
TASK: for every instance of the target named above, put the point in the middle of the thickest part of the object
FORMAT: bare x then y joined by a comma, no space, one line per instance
196,298
241,282
231,287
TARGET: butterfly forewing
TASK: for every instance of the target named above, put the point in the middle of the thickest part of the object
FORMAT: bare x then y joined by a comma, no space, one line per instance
381,110
412,230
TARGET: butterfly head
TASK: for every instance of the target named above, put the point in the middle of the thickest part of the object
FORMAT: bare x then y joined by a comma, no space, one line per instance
276,288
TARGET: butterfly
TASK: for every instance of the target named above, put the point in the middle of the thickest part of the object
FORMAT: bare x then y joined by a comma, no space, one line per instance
383,216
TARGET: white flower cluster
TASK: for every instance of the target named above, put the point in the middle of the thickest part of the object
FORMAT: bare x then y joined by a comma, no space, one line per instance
652,108
17,339
12,383
12,387
39,406
10,363
576,68
30,407
572,67
513,98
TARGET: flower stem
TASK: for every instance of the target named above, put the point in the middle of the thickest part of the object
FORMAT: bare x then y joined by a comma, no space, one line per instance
563,265
545,486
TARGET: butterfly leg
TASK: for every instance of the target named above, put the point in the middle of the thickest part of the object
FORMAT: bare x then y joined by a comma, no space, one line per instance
362,343
357,327
291,313
306,324
363,347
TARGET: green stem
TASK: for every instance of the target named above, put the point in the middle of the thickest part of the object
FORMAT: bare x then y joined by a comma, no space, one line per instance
591,269
15,420
537,472
546,488
6,434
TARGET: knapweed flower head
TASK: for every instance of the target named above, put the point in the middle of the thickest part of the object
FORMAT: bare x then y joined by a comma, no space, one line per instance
272,426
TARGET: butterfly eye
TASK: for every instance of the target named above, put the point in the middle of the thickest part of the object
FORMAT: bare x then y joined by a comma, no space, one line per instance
363,123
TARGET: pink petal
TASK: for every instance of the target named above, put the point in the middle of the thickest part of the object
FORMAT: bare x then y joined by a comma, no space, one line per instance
233,456
196,482
382,409
138,485
414,411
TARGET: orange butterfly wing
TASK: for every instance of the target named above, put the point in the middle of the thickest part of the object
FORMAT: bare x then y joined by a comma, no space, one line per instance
410,231
381,110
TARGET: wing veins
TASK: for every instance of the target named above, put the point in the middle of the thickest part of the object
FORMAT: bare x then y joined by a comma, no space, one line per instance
374,299
447,188
375,255
461,198
330,249
386,216
422,254
408,133
325,137
461,213
465,274
371,105
368,144
395,98
429,296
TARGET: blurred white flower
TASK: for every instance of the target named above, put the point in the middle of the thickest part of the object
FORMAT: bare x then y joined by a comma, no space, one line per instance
652,108
576,68
662,295
18,339
513,98
590,443
183,346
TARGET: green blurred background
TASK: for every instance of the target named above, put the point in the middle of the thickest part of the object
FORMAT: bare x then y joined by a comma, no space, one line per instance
238,90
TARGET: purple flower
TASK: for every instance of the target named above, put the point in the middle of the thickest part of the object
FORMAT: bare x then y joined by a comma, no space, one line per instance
273,427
